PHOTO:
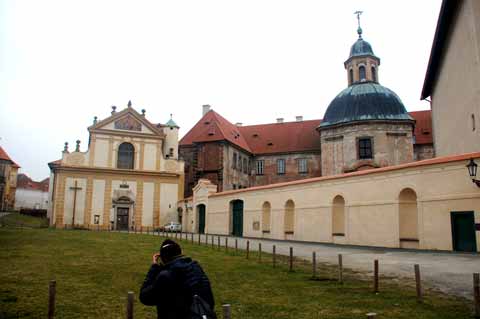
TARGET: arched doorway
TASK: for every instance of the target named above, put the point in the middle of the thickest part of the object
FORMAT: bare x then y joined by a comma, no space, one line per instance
237,217
408,218
201,218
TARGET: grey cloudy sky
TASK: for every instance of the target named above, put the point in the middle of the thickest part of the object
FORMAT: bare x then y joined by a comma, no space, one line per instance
64,62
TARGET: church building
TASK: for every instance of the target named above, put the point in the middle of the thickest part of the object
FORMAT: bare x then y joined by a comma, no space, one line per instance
365,126
130,176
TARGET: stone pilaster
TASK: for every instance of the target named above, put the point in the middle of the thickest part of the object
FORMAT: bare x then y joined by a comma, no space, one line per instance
91,151
139,204
156,205
142,156
59,211
88,201
107,202
110,152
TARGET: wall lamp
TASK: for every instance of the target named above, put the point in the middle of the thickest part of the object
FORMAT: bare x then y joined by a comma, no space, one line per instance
472,171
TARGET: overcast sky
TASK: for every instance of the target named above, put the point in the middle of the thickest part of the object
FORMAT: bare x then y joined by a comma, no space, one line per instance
64,62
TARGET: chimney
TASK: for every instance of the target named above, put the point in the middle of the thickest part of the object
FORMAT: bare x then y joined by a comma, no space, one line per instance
205,109
299,118
239,124
280,120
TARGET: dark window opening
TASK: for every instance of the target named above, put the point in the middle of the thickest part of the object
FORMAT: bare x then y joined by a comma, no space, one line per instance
126,153
374,74
365,148
361,71
350,74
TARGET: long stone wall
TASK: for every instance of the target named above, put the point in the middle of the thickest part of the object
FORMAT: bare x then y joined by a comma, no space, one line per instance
405,206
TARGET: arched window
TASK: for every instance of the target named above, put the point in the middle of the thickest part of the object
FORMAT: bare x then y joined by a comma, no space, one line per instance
126,154
374,74
361,71
338,216
266,213
350,76
408,218
289,218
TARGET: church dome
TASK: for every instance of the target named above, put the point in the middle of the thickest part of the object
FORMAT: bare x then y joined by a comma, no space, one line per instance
361,48
365,101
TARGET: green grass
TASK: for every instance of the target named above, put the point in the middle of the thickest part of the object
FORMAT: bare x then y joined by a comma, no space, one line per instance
95,270
17,220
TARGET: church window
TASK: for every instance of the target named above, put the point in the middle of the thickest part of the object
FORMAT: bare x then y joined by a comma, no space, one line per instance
365,148
245,166
234,164
280,166
260,165
302,165
374,74
361,71
126,154
350,75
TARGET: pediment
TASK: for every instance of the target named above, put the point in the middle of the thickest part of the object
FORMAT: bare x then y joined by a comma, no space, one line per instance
127,121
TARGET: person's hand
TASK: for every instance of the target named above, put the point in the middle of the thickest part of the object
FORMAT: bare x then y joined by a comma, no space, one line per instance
155,258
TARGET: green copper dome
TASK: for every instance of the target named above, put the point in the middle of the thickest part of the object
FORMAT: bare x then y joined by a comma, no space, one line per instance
365,101
171,123
361,48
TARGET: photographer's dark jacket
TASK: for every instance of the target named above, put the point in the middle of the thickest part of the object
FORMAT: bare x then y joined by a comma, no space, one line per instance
171,288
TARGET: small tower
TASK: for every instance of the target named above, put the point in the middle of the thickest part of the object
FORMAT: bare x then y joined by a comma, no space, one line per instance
361,65
170,148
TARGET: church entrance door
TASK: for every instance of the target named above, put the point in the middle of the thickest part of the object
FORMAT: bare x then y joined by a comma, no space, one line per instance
122,218
201,219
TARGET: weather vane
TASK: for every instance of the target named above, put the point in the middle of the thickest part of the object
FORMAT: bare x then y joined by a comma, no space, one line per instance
359,30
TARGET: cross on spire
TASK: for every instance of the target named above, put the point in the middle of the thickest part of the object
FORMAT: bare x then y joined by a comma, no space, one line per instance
359,30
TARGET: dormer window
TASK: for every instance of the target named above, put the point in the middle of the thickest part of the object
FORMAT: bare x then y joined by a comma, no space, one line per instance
362,74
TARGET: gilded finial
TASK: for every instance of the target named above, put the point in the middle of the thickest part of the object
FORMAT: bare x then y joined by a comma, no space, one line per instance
359,30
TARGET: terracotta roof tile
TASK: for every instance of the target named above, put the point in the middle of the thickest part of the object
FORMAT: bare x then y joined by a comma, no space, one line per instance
25,182
423,126
4,155
272,138
285,137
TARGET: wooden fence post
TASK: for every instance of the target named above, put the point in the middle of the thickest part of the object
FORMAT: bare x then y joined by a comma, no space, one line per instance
291,259
418,282
199,238
371,315
248,248
52,291
226,311
192,239
274,255
476,293
226,244
218,242
340,268
259,252
375,276
206,239
130,305
213,244
236,246
314,265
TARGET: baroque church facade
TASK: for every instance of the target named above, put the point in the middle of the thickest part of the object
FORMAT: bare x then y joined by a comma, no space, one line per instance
365,126
130,177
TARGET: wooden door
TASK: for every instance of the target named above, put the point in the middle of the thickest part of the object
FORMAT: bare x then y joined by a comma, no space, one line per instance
463,231
122,218
201,219
237,211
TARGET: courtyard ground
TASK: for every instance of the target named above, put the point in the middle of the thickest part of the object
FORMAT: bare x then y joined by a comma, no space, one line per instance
95,270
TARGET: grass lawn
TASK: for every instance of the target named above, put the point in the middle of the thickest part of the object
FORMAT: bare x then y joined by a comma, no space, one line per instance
95,270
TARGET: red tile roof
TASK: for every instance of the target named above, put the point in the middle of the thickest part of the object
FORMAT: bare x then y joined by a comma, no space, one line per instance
25,182
213,127
423,126
288,137
432,161
4,156
285,137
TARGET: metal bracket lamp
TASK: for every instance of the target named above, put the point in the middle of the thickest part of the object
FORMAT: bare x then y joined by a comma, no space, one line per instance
472,171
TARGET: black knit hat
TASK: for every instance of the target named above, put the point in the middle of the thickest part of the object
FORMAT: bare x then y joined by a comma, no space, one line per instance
169,250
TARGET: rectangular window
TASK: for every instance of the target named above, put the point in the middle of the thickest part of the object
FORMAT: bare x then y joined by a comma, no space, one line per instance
245,166
302,165
240,164
365,148
281,166
234,163
260,165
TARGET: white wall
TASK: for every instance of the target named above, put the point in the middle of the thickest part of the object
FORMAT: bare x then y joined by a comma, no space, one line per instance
33,199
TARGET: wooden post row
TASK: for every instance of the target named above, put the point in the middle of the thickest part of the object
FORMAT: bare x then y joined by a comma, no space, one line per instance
340,268
227,314
314,265
375,276
248,248
260,252
274,257
291,259
418,282
226,244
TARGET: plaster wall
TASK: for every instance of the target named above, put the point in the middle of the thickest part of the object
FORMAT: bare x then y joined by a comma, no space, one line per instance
33,199
235,175
371,207
150,156
168,203
80,200
101,153
456,93
98,195
148,194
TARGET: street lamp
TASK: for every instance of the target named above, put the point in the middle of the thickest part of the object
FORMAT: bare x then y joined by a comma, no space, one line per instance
472,171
